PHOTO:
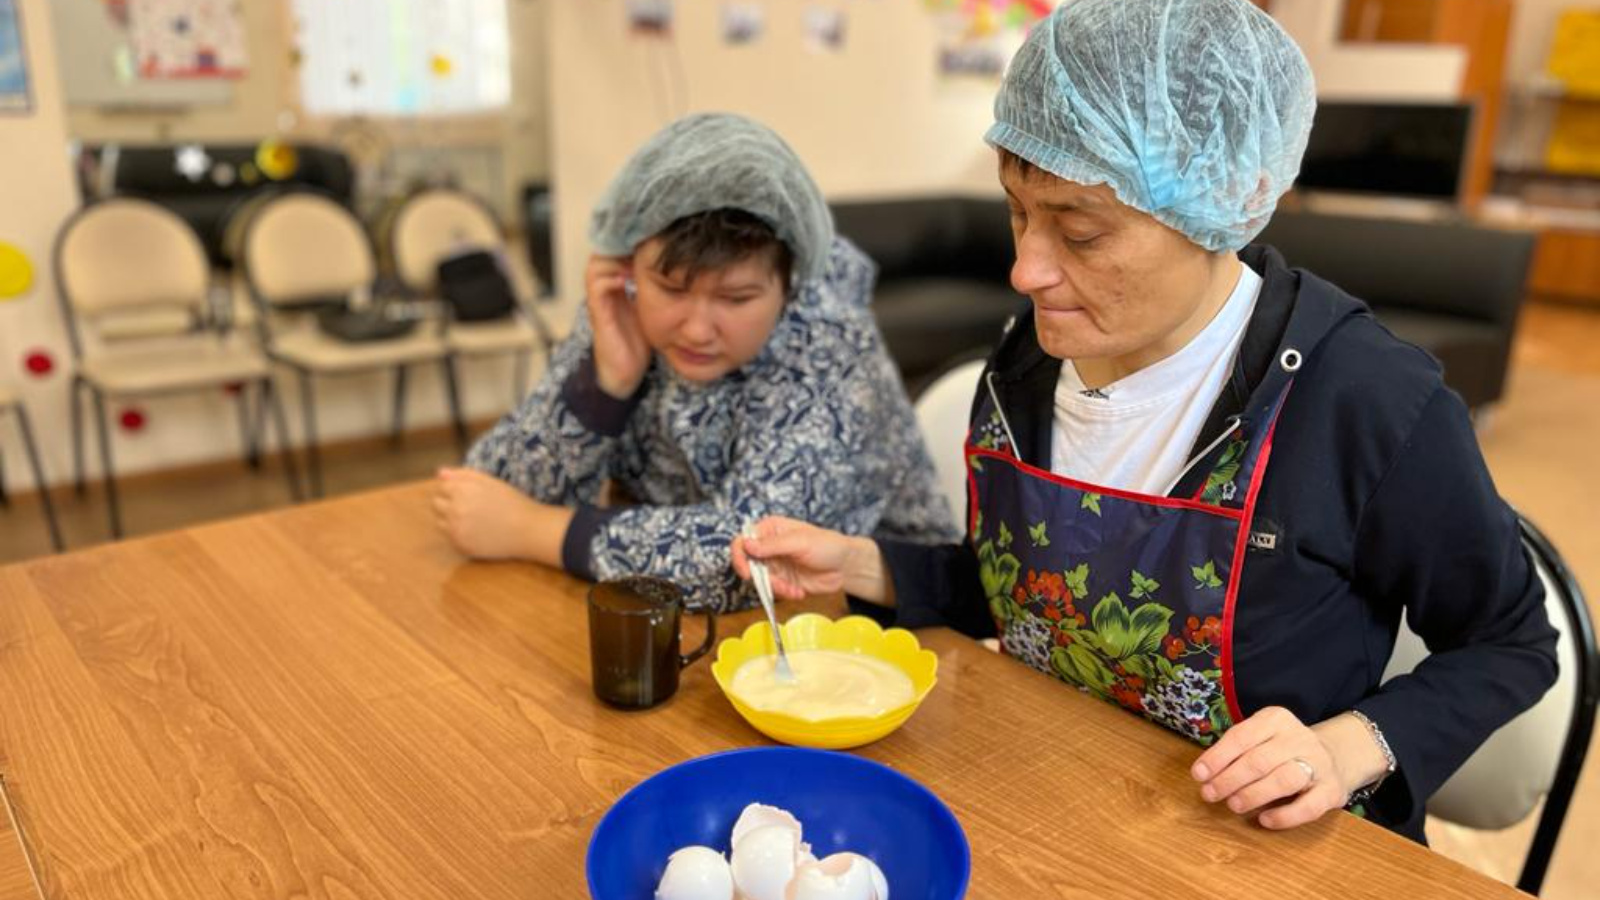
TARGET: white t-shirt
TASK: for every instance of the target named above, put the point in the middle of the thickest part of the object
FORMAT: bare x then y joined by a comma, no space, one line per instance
1136,434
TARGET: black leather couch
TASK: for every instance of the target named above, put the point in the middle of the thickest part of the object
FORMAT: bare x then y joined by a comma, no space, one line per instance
944,268
1452,289
150,172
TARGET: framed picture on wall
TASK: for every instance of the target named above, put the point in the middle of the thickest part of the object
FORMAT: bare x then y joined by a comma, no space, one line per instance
13,61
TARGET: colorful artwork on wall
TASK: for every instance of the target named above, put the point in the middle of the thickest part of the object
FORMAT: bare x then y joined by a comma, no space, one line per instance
742,23
14,95
652,18
187,38
825,29
985,16
979,36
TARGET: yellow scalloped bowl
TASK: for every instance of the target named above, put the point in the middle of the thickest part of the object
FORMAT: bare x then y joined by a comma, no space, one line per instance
852,634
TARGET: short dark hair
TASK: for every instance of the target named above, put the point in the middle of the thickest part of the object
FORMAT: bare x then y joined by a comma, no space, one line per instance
718,238
1026,169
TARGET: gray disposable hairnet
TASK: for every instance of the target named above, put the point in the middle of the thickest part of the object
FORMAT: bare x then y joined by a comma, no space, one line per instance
714,161
1194,111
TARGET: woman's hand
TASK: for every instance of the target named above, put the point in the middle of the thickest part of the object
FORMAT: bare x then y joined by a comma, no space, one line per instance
485,518
621,354
804,560
1290,772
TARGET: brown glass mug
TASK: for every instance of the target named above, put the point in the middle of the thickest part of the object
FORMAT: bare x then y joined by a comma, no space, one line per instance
634,637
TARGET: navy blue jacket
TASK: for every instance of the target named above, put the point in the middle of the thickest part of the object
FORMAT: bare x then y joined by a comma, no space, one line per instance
1381,505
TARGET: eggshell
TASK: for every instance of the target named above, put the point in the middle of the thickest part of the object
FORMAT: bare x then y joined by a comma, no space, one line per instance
764,861
757,815
696,873
842,876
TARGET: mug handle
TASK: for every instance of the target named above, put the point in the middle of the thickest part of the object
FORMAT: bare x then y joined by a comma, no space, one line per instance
705,645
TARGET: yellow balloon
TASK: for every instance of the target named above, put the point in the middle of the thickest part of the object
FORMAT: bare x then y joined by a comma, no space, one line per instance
277,161
983,23
442,66
16,272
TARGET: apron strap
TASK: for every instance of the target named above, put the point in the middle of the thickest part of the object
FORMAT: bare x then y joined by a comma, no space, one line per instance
1000,413
1230,464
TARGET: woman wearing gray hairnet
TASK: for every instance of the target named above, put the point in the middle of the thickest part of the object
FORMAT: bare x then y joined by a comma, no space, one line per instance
1205,486
725,366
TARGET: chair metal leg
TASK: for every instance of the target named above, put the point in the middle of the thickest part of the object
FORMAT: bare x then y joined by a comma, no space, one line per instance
524,360
42,489
398,422
547,341
249,432
112,509
291,469
308,411
79,483
5,498
453,395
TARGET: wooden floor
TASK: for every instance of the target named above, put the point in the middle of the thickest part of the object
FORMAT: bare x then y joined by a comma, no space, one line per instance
1541,443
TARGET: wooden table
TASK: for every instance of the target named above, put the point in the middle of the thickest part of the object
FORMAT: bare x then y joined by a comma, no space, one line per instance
328,702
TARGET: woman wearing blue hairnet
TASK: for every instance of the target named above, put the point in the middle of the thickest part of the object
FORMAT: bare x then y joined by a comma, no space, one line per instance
725,366
1205,486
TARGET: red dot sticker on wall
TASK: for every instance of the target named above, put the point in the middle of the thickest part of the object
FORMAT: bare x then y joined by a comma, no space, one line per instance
132,420
39,363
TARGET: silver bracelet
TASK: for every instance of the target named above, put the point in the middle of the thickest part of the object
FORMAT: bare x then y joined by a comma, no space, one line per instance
1390,763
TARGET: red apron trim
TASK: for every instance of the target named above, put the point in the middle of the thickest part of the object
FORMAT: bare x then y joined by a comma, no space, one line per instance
1086,487
1236,574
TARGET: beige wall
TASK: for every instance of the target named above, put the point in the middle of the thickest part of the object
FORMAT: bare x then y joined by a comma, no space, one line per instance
873,120
37,187
270,87
1365,71
257,97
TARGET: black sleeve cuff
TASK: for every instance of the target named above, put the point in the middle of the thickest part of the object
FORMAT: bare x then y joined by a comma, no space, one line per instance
1396,801
575,555
883,615
935,585
599,412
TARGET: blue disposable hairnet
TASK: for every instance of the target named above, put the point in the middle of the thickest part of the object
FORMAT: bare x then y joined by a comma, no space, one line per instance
1194,111
713,161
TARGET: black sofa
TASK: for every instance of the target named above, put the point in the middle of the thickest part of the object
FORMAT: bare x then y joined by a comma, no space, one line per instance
1453,289
150,172
944,269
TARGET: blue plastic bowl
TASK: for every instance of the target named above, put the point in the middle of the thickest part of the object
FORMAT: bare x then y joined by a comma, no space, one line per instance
844,802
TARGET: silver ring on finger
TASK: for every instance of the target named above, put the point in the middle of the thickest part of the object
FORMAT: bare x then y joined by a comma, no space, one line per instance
1309,769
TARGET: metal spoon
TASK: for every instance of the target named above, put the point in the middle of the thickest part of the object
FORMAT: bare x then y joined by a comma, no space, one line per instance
763,582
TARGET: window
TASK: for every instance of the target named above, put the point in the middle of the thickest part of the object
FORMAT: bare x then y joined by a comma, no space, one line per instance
402,57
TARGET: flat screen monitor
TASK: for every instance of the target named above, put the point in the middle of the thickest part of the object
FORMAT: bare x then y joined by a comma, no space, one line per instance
1407,150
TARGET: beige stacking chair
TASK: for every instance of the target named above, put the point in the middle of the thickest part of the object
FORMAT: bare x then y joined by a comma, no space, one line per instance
10,402
303,251
135,290
436,223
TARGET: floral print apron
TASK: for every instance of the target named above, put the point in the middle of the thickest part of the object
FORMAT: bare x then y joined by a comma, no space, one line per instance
1127,596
